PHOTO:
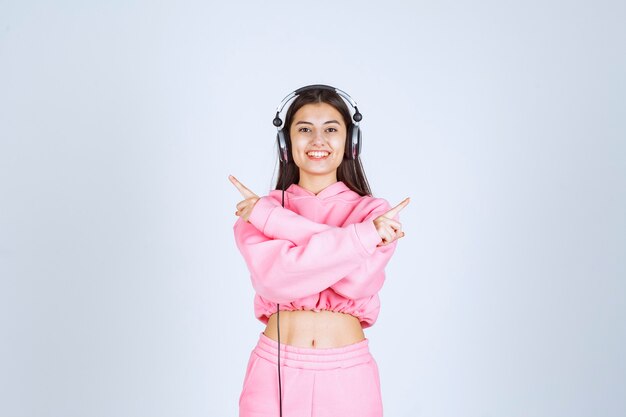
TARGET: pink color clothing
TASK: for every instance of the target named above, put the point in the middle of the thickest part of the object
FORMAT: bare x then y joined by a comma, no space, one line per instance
318,253
326,382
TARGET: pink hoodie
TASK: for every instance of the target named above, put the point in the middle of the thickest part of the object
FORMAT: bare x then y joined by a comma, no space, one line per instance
317,253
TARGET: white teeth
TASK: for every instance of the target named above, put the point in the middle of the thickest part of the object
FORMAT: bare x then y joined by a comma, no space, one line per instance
318,154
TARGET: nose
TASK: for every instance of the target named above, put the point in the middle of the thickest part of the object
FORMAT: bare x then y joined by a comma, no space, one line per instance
318,138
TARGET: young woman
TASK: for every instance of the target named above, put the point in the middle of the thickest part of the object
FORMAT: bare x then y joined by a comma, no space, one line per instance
317,264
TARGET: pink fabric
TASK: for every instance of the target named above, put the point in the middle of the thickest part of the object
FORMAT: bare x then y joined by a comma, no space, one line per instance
327,382
318,253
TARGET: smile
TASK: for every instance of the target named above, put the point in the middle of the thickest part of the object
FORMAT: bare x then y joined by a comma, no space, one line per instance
317,154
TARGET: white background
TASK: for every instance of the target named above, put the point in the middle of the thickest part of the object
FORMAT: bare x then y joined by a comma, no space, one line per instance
122,292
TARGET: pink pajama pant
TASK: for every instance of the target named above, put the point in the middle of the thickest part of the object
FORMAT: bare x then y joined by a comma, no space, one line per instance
326,382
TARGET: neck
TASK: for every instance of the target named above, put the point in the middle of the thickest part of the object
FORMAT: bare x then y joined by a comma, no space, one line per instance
316,183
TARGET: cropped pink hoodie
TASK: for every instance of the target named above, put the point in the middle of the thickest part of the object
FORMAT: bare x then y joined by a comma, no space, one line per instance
318,253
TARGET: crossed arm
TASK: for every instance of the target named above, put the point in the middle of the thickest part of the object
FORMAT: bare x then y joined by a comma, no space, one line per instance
290,256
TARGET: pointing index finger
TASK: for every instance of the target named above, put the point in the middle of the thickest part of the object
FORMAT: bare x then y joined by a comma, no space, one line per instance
242,188
392,213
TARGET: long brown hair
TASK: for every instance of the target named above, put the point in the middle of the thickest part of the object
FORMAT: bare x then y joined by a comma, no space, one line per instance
350,171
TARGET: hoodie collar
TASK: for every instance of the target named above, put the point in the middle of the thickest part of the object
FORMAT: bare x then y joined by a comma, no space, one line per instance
332,190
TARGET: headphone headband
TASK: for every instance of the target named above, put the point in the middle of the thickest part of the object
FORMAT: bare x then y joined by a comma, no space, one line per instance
357,117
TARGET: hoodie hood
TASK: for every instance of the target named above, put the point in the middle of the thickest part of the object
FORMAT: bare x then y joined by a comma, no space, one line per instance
333,189
336,190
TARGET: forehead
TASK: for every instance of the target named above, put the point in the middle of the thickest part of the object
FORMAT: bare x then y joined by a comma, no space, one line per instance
317,112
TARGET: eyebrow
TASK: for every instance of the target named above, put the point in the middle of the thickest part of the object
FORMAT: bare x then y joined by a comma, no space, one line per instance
303,122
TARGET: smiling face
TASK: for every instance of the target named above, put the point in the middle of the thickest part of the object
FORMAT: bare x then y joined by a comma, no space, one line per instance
318,139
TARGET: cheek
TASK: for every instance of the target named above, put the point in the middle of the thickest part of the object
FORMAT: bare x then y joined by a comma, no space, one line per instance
339,144
297,150
297,144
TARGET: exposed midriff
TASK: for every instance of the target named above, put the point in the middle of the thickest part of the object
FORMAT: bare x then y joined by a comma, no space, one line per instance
307,328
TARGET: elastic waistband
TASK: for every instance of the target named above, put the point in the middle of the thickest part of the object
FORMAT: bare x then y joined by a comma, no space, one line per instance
313,358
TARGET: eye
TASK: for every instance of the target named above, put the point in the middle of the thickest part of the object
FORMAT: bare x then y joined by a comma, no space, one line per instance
331,129
304,129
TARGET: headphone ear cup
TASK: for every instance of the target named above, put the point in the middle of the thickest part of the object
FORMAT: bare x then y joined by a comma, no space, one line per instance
283,150
357,134
353,144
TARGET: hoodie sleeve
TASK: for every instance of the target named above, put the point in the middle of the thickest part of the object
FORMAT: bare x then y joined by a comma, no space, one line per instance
282,271
290,256
275,221
368,278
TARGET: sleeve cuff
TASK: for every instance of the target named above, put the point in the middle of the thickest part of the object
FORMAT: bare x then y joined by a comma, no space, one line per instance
261,212
368,235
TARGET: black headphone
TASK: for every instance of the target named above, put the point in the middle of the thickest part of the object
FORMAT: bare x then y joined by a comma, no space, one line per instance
353,143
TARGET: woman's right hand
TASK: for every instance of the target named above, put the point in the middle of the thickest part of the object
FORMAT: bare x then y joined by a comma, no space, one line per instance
389,229
244,207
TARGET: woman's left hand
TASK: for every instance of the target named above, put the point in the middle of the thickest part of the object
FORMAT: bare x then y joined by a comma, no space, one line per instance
389,229
244,207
